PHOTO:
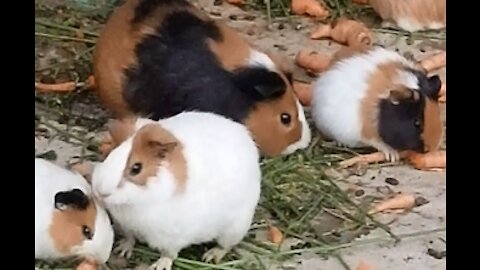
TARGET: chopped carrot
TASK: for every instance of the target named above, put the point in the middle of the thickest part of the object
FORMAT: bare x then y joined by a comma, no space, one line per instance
236,2
345,31
64,87
86,265
310,7
434,62
312,61
368,158
304,92
56,87
401,201
430,160
274,234
364,266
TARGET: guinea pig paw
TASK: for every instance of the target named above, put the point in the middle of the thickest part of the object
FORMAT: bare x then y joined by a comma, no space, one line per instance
164,263
215,254
125,247
392,156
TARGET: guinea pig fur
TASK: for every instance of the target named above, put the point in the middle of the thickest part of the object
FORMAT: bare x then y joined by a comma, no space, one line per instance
412,15
189,179
378,98
157,58
68,220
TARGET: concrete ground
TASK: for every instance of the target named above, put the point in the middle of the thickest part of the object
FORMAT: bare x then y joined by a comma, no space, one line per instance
410,253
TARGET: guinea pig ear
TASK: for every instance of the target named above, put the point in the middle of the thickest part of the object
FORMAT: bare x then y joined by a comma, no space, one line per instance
432,86
73,199
259,82
160,150
397,95
121,129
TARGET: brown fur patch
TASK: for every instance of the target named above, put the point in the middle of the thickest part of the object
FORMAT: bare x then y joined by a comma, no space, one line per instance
264,123
115,52
154,146
433,130
66,227
423,11
232,51
380,84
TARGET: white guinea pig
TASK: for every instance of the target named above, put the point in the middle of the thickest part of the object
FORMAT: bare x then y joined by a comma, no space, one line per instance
188,179
376,97
68,221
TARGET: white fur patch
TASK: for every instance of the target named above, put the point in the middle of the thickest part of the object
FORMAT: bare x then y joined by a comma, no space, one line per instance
258,58
306,133
412,25
338,93
408,79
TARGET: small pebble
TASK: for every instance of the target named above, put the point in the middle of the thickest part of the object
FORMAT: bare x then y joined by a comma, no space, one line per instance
436,253
359,192
281,26
217,2
391,181
233,17
215,13
419,201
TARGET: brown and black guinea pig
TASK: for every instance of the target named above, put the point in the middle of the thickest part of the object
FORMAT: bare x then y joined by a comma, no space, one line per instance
157,58
376,97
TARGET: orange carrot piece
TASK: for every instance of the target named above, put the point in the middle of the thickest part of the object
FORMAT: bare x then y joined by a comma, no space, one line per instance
401,201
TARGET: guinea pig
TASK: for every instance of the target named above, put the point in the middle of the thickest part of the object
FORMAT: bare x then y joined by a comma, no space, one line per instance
376,97
69,222
157,58
188,179
412,15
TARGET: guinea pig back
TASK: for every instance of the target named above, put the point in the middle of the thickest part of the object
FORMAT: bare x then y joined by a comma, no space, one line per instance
158,58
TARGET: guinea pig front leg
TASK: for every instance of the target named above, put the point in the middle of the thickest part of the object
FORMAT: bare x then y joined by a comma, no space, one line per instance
125,245
391,154
165,262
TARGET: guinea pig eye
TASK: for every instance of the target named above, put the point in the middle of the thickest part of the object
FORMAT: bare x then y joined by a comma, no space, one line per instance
417,123
285,118
87,233
136,169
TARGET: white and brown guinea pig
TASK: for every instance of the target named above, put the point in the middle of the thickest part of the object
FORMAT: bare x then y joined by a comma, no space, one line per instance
188,179
376,97
157,58
412,15
68,220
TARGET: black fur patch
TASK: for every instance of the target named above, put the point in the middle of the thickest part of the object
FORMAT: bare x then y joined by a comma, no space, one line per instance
74,198
398,124
178,72
259,83
146,7
429,86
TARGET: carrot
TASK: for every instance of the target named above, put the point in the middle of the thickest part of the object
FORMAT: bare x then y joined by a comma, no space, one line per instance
304,92
401,201
368,158
310,7
434,62
345,31
56,87
236,2
364,266
312,61
64,87
430,160
274,234
86,265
